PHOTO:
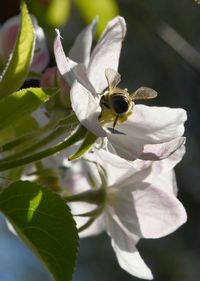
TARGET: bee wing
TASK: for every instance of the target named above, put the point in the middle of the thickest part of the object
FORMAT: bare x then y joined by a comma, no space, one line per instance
144,93
113,78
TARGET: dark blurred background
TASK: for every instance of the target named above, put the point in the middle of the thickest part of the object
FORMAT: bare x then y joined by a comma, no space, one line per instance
160,51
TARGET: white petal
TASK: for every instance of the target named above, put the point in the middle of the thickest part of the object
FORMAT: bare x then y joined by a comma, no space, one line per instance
132,262
162,174
128,257
158,213
80,51
106,53
117,168
126,146
149,125
86,108
154,124
69,69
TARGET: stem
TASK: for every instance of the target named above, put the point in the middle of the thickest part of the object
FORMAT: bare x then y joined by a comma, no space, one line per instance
31,136
93,196
86,225
78,135
36,145
58,132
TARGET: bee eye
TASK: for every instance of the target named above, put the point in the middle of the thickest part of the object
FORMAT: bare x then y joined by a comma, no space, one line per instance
120,104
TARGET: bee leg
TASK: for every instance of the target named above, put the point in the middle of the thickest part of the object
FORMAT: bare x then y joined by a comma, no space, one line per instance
115,123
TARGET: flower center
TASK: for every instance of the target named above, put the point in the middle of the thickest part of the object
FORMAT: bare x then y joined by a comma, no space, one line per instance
110,195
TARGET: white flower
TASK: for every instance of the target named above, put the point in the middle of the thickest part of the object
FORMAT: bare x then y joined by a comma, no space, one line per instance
150,132
140,202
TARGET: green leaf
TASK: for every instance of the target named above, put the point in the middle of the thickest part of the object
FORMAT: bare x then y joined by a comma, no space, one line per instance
18,66
21,127
51,14
106,9
43,220
87,143
22,103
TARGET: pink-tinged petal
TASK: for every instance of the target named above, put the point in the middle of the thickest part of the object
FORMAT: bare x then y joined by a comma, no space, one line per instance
52,78
80,51
106,53
62,61
48,79
8,37
158,213
86,108
41,54
161,150
162,174
40,61
127,255
169,162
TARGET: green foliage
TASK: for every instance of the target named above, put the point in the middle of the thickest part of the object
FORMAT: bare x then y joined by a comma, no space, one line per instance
22,103
18,128
43,220
87,143
106,9
52,13
18,66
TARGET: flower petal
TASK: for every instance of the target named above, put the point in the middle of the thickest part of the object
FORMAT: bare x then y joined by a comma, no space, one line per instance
62,61
86,108
158,213
8,37
149,125
162,174
128,257
161,150
119,169
106,53
41,55
132,262
69,69
80,51
154,124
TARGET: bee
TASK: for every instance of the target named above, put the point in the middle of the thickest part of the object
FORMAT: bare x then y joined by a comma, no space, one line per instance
117,104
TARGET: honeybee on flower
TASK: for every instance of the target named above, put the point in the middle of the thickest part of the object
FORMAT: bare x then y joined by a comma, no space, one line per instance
151,132
118,102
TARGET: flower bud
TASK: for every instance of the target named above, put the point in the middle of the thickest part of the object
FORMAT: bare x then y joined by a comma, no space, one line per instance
8,37
52,79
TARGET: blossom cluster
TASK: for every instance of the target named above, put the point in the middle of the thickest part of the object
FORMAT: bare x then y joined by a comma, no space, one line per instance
124,183
133,166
